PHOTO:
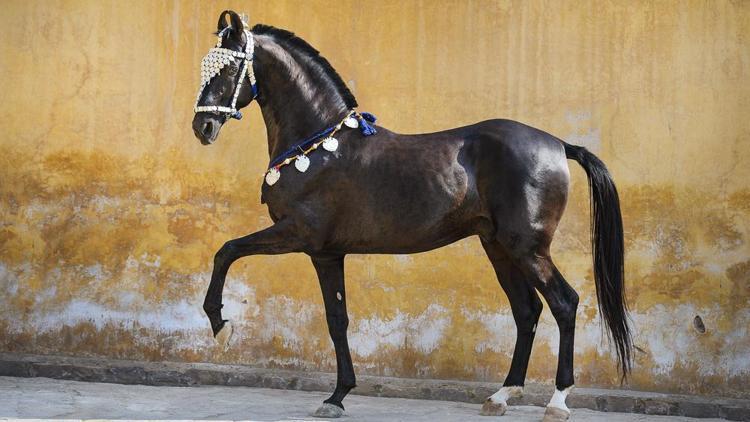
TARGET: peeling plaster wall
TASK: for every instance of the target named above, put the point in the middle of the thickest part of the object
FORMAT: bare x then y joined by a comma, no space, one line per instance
110,210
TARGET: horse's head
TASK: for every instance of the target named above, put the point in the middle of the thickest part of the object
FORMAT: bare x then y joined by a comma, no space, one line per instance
227,78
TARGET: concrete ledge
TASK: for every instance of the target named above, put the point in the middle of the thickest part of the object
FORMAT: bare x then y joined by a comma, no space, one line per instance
184,374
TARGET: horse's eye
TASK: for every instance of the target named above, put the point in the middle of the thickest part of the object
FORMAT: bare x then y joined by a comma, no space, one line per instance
232,70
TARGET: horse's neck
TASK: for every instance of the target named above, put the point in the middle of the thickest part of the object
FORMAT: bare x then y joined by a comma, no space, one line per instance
294,105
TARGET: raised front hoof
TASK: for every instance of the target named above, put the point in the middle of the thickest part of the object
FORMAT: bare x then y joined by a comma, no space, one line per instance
224,336
490,408
555,414
328,410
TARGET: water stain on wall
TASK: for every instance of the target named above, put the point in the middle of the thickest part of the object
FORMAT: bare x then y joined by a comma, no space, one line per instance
110,210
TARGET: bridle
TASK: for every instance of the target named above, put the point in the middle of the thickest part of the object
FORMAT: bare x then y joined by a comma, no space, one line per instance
211,66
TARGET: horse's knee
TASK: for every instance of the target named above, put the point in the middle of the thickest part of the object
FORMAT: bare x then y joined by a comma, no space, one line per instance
227,251
337,325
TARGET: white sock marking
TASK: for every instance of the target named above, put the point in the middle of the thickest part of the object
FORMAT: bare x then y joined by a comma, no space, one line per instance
558,399
505,393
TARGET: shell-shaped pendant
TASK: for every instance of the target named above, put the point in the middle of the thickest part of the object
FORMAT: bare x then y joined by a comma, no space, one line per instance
351,122
272,176
302,163
330,144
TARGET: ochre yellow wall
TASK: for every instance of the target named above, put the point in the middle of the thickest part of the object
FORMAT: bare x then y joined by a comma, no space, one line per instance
111,211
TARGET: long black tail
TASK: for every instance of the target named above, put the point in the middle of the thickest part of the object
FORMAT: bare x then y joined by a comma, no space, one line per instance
608,252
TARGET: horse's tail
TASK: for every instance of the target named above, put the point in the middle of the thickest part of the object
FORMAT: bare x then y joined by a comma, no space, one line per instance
608,252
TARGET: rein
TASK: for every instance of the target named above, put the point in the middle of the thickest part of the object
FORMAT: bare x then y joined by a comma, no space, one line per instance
212,64
298,152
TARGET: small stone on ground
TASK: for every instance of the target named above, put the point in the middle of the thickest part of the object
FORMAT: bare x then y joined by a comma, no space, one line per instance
44,398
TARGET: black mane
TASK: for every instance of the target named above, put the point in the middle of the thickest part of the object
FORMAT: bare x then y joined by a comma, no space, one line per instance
302,46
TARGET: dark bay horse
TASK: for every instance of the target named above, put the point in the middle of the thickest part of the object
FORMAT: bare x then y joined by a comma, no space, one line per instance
376,191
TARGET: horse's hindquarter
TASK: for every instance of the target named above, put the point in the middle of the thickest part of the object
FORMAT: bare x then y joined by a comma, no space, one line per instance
523,182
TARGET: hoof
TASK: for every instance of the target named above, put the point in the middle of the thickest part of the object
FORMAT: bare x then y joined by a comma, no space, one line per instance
327,410
490,408
224,336
555,414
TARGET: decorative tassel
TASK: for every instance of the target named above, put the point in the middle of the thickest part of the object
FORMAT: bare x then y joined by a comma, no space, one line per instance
369,117
364,126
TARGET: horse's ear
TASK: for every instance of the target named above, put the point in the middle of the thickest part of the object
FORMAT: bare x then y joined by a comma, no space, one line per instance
222,21
238,26
236,23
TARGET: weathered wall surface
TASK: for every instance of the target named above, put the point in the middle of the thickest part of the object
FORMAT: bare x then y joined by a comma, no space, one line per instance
110,210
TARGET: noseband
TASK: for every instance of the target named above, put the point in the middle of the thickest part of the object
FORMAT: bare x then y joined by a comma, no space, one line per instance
211,65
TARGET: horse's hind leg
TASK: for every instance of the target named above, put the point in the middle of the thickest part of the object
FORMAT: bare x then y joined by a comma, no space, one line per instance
563,303
331,276
526,307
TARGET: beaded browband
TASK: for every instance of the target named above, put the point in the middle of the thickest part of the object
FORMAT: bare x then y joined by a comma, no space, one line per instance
211,65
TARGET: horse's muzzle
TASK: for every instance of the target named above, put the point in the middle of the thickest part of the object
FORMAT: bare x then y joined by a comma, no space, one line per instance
206,127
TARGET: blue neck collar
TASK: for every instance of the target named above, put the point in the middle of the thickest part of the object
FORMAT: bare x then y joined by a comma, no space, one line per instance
363,121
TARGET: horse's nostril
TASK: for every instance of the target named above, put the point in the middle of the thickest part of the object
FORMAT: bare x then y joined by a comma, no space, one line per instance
207,129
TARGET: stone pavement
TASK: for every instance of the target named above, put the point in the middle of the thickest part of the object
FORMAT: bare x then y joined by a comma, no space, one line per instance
45,398
91,369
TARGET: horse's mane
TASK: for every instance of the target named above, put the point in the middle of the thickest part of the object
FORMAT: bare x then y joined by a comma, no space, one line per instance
302,46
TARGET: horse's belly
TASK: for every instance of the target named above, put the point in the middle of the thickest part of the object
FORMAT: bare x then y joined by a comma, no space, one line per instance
404,215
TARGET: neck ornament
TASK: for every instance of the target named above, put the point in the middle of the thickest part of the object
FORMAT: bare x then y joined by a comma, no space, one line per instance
297,154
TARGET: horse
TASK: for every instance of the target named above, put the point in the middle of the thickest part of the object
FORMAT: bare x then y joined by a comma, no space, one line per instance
358,188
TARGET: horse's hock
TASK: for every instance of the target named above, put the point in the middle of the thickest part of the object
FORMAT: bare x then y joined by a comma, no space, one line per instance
112,212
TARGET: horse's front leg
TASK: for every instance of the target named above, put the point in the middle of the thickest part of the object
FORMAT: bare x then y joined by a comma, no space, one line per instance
330,271
274,240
